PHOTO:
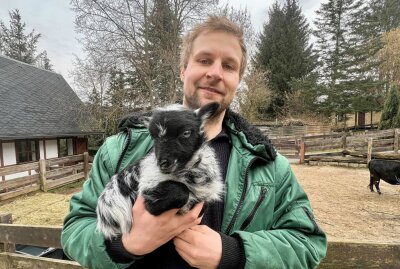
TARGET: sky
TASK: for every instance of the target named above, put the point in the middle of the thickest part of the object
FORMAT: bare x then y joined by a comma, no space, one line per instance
54,20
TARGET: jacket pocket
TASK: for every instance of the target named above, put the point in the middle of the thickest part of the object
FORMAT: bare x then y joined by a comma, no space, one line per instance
261,197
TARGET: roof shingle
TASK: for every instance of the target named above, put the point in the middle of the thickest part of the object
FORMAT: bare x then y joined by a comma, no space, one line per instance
36,102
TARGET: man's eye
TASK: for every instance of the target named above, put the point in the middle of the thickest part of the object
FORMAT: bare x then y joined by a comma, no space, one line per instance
229,67
204,61
186,134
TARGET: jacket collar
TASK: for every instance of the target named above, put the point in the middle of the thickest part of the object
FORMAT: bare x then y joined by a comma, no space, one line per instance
133,121
253,139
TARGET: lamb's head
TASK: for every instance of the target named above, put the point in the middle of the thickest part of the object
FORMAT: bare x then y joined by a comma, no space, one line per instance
178,133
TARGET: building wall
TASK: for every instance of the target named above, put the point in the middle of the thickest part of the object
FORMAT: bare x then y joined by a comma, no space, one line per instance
48,148
51,149
10,158
351,119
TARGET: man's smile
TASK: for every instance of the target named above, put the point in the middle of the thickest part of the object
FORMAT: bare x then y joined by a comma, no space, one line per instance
210,90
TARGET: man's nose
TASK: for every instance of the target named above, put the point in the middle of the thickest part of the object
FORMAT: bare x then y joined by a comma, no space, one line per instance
215,71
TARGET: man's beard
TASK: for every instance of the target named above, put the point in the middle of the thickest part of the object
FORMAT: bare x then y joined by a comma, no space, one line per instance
193,102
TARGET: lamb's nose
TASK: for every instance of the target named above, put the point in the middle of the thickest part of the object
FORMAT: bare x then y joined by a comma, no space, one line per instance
164,164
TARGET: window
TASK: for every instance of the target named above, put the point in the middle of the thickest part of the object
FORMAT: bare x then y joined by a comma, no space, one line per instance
27,151
62,147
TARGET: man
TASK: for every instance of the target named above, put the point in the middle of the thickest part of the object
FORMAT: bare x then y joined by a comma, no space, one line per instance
265,219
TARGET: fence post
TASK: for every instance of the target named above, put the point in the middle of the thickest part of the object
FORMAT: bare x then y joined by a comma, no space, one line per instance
369,153
302,152
6,247
396,141
86,164
42,169
344,141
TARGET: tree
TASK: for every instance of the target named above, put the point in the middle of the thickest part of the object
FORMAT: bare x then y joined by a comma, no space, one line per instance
284,50
43,61
139,37
389,56
15,44
384,14
255,96
390,109
346,49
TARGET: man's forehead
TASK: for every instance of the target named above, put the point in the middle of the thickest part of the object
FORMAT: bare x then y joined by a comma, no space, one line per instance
203,45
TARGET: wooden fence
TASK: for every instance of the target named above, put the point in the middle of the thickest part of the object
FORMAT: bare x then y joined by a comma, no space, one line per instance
47,174
293,130
366,145
344,255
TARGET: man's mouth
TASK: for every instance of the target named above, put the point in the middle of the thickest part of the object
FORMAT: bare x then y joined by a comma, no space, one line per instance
210,89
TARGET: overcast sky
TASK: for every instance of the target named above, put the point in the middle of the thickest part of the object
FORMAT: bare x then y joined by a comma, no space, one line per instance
54,20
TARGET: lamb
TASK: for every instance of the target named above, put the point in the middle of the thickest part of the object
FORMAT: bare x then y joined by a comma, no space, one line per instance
179,172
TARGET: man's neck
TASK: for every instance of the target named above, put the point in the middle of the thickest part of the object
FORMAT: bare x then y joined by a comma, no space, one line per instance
214,126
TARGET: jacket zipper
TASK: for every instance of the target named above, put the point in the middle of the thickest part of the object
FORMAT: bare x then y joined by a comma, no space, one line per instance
311,217
260,199
241,201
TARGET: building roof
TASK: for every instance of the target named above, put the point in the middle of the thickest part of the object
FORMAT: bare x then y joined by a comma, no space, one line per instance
36,103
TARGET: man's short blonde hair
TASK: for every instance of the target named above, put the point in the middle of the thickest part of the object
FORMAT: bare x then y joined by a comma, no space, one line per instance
213,24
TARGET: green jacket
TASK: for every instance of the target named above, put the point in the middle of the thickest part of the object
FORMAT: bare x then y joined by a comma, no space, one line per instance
264,204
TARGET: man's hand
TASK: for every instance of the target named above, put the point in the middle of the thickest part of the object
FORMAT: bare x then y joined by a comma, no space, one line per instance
149,232
200,246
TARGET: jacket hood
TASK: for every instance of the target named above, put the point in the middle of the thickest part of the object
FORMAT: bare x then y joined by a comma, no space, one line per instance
254,139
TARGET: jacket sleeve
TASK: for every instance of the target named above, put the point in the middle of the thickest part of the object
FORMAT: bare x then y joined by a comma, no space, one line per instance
79,238
294,240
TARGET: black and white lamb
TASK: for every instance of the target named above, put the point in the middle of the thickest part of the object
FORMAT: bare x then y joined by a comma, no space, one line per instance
180,171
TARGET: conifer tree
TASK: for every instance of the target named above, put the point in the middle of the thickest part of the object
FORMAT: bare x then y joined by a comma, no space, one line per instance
384,14
16,44
333,32
390,109
284,50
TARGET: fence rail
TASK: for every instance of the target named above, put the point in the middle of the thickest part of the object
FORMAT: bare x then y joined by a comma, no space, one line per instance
342,255
47,175
294,130
369,143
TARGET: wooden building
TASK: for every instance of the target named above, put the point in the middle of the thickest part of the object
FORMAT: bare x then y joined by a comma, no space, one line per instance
40,115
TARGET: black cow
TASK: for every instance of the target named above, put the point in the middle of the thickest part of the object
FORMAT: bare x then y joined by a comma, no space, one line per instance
387,170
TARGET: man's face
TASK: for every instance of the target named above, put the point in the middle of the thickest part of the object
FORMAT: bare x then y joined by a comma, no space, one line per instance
212,72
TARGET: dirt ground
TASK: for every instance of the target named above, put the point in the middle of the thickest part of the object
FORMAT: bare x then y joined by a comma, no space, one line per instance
343,206
346,209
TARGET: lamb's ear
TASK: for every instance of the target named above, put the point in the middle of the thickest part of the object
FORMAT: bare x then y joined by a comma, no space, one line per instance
145,120
207,111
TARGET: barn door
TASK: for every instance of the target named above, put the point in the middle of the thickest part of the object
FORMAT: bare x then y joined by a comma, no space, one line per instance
361,119
81,145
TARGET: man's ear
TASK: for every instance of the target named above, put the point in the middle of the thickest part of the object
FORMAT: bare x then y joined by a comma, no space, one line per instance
182,73
205,112
145,120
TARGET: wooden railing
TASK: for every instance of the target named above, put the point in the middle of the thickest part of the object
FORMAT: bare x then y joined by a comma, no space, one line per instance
366,144
343,255
47,175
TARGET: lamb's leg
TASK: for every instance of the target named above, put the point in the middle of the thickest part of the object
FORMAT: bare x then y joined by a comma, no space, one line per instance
167,195
114,206
114,211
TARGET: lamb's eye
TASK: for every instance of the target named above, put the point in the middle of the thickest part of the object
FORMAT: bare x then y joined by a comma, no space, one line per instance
186,134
